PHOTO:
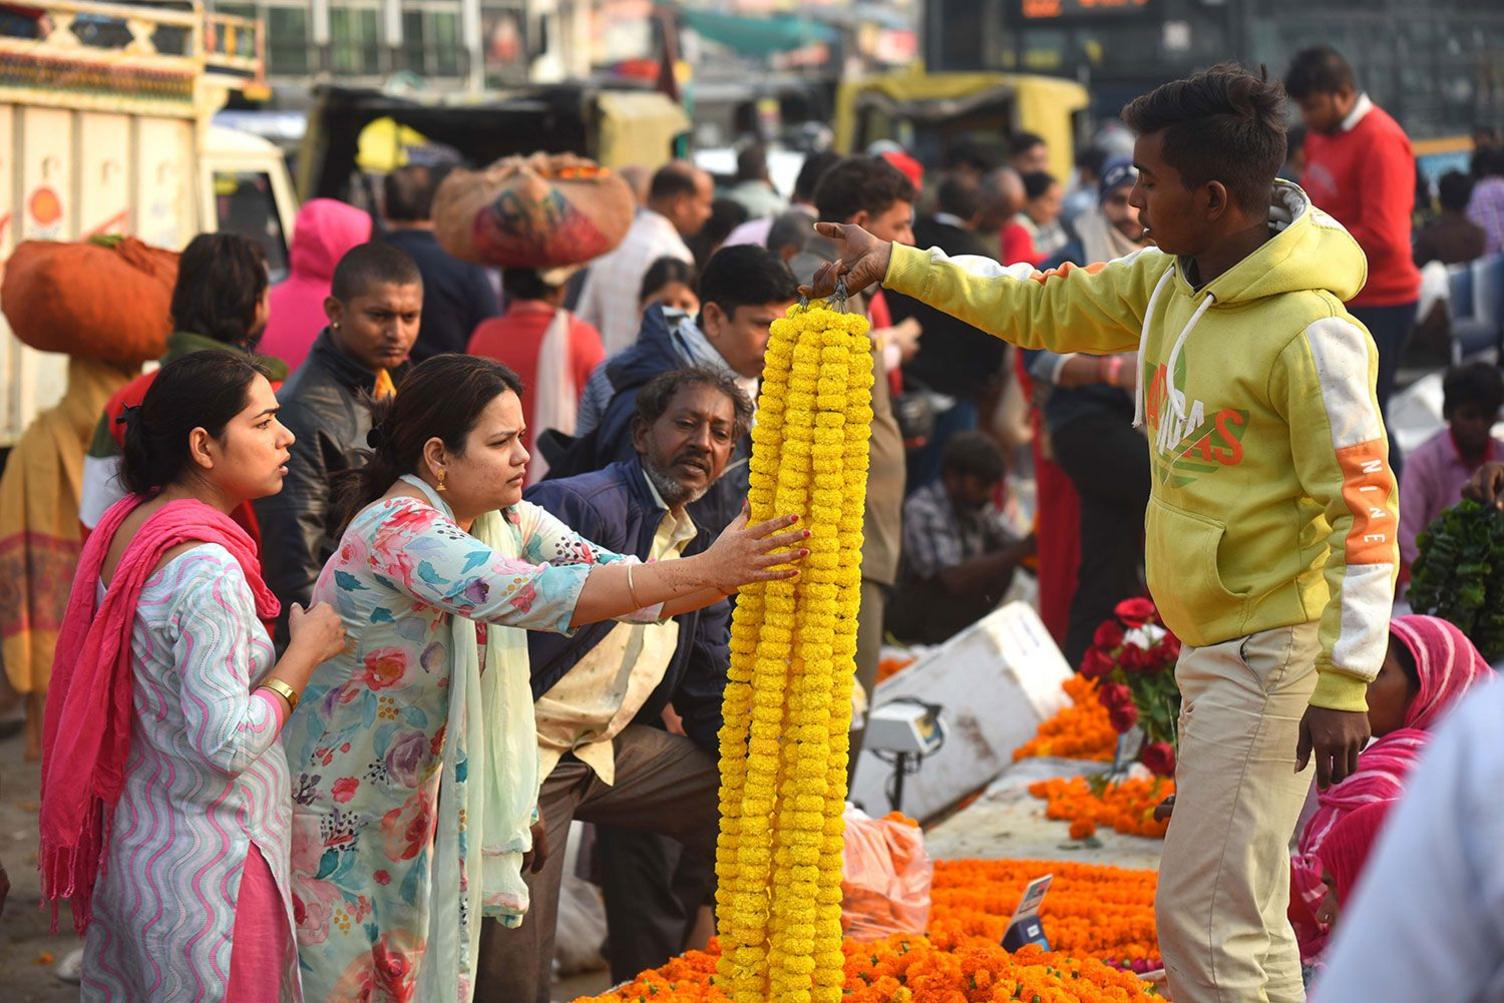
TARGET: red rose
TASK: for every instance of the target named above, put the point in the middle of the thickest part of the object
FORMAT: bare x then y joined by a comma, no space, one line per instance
1159,757
1123,717
1135,659
1109,635
1115,695
1136,612
1096,664
1171,647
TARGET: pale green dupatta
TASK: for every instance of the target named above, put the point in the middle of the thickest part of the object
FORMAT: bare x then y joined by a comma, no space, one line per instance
489,790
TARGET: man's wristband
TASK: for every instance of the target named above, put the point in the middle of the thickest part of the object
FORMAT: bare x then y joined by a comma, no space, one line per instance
1112,368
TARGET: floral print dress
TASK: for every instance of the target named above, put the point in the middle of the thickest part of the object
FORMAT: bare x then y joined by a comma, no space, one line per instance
366,743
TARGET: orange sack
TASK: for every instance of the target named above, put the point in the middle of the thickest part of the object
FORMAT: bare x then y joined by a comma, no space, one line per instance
886,877
109,300
543,211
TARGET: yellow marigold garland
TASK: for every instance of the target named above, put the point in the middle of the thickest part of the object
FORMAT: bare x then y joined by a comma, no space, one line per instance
787,709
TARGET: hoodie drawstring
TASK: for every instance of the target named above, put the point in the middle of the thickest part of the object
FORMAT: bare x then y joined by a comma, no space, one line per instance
1176,396
1143,340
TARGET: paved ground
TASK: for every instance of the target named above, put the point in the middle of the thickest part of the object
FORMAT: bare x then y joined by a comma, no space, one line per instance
28,953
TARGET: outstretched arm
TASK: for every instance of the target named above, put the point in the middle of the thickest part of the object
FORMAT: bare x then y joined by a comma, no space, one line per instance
1098,309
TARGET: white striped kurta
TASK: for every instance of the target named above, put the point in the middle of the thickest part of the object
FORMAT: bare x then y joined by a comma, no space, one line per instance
205,779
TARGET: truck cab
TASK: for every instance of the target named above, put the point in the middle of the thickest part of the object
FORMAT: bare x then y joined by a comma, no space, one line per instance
105,128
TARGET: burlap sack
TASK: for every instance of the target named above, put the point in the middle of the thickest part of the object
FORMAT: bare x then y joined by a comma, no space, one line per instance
107,301
543,211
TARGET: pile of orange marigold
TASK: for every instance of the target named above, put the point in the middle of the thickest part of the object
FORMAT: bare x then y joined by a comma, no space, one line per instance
1126,806
1082,730
1100,920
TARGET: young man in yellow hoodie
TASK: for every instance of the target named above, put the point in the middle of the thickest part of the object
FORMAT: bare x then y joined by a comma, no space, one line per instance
1271,529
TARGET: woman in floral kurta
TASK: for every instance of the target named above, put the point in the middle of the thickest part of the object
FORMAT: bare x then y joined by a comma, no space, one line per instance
414,754
365,743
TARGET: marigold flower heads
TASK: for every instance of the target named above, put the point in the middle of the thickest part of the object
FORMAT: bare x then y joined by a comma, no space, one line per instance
787,706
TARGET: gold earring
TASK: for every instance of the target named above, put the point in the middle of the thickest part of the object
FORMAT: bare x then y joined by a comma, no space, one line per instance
441,480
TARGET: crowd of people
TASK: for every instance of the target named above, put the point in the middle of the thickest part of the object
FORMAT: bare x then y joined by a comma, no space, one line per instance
396,569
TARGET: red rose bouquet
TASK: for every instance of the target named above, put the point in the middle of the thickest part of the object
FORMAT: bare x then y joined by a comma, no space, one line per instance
1132,657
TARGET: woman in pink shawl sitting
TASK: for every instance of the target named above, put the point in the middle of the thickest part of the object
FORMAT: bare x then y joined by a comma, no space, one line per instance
1430,665
165,794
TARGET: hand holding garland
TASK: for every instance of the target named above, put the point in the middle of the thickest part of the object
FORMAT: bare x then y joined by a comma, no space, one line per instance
741,555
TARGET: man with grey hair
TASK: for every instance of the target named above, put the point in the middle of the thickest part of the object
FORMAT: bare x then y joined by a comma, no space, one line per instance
628,713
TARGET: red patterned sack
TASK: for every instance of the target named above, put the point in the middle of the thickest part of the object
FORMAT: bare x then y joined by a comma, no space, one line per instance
543,211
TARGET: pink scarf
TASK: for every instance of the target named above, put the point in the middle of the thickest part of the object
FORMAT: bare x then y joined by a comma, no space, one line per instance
86,738
1447,665
1446,662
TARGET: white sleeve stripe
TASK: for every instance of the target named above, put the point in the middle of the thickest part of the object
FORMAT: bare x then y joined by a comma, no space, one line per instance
1367,596
1340,351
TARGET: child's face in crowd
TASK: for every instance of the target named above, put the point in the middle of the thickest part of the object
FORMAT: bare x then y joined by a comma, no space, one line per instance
742,336
687,448
895,223
377,328
675,296
1471,424
1326,913
491,472
1389,695
1046,208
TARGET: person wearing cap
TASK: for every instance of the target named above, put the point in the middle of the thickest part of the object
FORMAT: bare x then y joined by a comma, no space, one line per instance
551,349
1088,419
1111,229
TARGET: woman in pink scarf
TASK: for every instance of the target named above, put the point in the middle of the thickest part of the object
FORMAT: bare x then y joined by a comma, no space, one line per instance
165,800
1430,665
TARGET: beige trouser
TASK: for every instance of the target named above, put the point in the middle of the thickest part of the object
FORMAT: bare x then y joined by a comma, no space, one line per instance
1224,879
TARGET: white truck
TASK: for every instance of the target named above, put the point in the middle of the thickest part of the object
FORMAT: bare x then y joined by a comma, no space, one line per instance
105,128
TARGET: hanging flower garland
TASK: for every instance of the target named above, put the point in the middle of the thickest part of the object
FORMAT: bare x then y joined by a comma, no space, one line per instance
787,709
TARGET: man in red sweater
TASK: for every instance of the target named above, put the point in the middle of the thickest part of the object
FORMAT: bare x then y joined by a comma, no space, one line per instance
1361,170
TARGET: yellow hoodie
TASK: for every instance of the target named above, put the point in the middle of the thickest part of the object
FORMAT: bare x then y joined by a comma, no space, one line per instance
1272,502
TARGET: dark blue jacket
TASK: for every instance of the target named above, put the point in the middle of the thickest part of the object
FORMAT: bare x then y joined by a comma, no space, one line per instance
614,509
652,354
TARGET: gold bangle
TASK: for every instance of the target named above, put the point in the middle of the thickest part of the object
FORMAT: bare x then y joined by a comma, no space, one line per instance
632,589
282,690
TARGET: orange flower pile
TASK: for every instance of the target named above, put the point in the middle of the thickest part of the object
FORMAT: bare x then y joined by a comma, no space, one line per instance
892,666
910,969
1092,911
1126,806
1100,920
1081,731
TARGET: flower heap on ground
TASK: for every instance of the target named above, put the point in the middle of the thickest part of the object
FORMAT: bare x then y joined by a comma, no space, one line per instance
787,707
1099,919
1082,730
1124,805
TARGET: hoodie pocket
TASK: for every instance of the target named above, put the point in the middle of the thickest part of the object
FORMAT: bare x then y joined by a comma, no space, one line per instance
1184,578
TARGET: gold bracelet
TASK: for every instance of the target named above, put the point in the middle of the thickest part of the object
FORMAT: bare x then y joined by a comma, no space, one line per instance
631,589
282,690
